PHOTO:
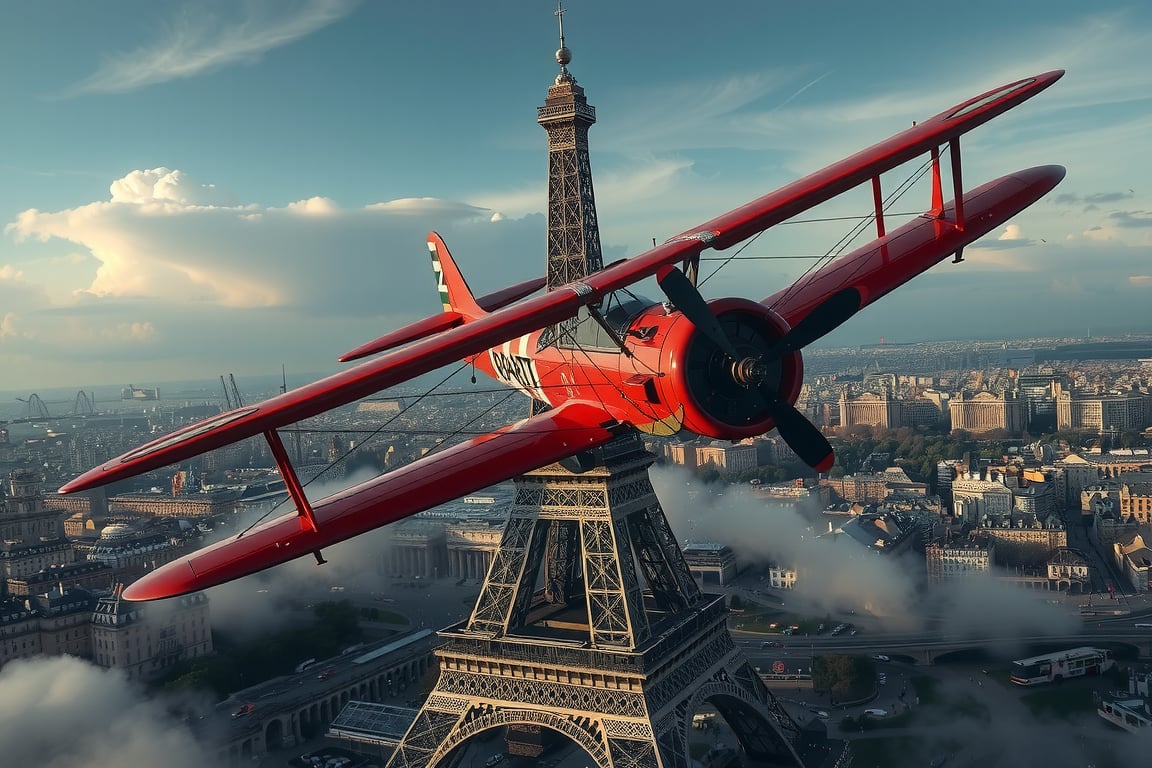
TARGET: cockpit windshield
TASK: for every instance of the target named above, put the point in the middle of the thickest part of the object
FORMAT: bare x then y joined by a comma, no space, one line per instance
619,308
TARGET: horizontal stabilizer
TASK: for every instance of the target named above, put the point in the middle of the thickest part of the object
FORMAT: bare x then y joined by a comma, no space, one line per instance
505,296
418,330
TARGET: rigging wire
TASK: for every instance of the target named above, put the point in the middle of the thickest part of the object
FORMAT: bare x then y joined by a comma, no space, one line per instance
347,453
838,248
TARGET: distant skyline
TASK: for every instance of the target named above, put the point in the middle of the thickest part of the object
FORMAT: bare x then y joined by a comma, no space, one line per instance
192,189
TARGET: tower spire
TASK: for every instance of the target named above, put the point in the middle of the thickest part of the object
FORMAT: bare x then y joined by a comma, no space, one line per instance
563,54
573,232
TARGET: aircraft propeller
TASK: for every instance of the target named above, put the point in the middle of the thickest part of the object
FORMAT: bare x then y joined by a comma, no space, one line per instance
683,294
798,432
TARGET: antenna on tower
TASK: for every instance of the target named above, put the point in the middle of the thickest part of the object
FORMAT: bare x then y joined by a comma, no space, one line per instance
563,54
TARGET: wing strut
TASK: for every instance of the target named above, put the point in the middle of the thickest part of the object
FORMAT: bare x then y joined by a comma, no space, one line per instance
937,209
291,481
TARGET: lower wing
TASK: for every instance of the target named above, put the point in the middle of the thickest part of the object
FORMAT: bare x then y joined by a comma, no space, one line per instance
462,469
890,261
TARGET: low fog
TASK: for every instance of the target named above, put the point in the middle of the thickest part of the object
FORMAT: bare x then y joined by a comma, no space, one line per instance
835,574
67,713
240,609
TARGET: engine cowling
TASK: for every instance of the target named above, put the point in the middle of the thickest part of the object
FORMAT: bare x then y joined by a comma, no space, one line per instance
725,398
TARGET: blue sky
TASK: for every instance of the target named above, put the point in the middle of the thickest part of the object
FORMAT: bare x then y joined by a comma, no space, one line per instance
190,189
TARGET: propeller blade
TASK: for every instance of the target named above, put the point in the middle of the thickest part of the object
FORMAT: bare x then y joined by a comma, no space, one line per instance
825,318
687,299
802,435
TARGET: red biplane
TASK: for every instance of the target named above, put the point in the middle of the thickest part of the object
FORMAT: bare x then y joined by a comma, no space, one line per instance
728,368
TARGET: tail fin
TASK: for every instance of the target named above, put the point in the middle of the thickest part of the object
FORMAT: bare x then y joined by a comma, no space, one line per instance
454,291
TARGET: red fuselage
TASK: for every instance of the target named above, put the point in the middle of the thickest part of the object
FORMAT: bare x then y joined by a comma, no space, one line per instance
671,378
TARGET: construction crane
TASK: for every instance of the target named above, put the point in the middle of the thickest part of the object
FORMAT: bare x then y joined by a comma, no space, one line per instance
232,399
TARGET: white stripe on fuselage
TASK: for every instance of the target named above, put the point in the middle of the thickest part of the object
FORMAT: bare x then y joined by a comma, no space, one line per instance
514,366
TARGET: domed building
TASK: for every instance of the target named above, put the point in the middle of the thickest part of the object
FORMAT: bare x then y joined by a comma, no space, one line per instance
132,549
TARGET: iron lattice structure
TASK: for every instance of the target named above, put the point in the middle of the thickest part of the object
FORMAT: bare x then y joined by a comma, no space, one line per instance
564,637
573,230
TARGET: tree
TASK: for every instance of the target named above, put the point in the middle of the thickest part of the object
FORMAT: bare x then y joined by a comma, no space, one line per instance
840,674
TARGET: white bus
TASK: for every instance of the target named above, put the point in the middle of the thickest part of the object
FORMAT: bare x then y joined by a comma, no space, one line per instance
1141,625
1050,667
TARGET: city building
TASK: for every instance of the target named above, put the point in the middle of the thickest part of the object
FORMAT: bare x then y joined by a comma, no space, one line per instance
952,558
218,501
145,639
132,548
1134,559
710,562
471,545
31,535
93,576
859,488
882,532
975,499
800,493
781,576
731,459
1126,411
985,412
1069,571
681,453
416,550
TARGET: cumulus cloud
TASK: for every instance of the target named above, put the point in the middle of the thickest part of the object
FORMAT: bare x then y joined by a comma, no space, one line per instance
164,185
67,713
1012,236
176,268
201,38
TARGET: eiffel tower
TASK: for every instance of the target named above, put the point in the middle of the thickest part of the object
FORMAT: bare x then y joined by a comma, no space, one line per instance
564,635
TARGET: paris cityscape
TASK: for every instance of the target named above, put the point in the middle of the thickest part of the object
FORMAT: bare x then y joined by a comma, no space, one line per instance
944,551
705,530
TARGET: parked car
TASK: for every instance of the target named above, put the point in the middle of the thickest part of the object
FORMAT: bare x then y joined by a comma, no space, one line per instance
876,713
496,759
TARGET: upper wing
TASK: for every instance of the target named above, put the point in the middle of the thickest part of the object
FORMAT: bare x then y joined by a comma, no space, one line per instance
435,479
456,343
888,262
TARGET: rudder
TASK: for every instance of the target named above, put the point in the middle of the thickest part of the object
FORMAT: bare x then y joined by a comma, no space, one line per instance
455,294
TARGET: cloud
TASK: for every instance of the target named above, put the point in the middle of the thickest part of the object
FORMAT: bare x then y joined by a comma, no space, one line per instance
1132,219
67,713
161,185
1011,237
199,40
175,270
256,604
836,574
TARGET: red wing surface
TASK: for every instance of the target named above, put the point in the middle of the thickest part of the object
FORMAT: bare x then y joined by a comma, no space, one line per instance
435,479
890,261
